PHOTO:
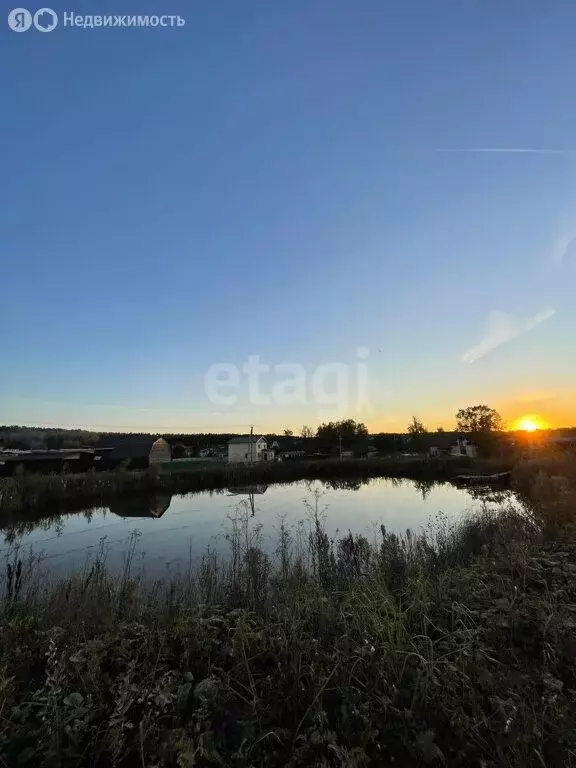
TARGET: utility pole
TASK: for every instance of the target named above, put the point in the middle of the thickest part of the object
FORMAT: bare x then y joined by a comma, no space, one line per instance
251,442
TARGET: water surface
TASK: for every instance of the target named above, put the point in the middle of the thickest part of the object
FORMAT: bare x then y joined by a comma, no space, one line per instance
171,530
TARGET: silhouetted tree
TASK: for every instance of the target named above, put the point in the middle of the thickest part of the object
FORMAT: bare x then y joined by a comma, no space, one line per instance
389,443
416,427
478,418
347,430
307,432
179,451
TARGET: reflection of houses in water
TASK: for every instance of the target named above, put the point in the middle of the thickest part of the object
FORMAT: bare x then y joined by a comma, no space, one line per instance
247,489
141,506
250,491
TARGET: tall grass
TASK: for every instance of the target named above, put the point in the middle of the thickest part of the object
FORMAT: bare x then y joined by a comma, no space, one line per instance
446,648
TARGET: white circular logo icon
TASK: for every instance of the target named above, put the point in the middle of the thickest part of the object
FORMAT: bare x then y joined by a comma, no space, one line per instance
19,20
45,20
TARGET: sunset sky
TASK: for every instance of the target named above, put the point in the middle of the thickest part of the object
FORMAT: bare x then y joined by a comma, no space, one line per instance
298,181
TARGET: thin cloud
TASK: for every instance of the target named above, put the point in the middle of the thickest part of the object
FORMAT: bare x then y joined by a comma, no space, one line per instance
564,248
502,328
508,150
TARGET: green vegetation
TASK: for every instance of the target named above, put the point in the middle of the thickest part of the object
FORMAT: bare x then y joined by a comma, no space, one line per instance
54,492
455,648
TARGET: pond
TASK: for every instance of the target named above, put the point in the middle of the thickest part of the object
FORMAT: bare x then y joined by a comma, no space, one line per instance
167,532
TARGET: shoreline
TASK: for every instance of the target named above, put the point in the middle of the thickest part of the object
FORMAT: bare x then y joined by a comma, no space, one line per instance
391,652
33,492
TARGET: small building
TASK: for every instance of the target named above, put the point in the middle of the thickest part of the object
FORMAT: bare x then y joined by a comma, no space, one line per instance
453,444
564,442
132,451
247,449
464,447
291,454
65,461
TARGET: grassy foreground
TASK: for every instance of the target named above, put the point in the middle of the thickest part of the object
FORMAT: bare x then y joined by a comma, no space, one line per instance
455,649
53,492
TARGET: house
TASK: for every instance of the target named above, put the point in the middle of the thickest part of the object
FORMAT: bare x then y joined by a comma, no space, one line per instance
565,442
452,444
247,449
464,447
133,451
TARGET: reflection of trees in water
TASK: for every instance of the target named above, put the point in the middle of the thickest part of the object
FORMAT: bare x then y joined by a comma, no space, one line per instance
490,494
14,530
348,484
40,521
424,487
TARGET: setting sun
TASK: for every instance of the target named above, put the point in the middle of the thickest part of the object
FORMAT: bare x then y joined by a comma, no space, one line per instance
530,424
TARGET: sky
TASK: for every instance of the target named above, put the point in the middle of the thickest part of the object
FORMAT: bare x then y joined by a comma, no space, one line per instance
386,188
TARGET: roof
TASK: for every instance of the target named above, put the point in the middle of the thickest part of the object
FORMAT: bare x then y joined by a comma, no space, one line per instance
127,446
245,439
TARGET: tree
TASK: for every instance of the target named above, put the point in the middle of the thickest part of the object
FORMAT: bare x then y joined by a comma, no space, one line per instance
347,431
288,433
478,418
179,451
417,430
416,427
307,432
440,430
388,443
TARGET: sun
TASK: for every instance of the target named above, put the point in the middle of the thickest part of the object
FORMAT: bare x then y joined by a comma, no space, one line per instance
530,424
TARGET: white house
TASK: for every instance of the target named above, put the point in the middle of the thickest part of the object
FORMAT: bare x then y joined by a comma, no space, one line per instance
464,447
248,449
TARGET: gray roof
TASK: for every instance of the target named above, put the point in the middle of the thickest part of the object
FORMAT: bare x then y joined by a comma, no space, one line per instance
245,439
127,446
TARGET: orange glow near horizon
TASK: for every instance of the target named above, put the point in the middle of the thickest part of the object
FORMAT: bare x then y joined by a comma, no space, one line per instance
530,423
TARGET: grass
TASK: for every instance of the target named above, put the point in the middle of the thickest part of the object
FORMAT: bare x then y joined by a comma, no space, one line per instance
55,492
452,648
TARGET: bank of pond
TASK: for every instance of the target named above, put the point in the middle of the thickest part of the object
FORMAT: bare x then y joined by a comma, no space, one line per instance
31,491
167,529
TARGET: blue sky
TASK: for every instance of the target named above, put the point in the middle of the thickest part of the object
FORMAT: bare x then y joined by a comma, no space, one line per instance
267,180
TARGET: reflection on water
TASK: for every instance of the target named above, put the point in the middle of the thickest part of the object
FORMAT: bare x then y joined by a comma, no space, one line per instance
141,506
247,489
349,484
169,529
